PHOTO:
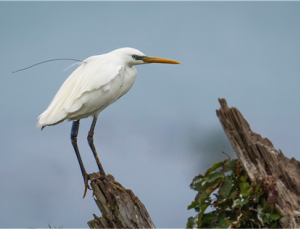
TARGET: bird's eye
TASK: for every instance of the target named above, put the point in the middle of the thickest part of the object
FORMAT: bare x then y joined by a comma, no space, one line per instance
134,56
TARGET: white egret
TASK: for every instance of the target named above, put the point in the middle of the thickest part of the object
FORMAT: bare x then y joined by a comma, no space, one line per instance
98,82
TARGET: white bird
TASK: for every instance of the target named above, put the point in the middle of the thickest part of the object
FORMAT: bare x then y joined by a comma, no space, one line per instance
98,82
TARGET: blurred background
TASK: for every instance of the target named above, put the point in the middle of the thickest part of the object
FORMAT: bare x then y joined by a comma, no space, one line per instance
163,132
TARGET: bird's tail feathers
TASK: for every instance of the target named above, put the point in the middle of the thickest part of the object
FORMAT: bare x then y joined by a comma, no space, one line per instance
48,119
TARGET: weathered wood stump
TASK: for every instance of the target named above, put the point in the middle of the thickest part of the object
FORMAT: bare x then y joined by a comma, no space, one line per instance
120,209
262,161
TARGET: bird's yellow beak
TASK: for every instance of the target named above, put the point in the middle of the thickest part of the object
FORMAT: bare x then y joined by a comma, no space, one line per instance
149,59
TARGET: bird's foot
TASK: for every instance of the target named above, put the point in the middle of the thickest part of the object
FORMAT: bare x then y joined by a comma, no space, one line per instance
86,178
110,179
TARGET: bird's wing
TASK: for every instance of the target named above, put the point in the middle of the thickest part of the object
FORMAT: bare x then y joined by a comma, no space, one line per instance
94,73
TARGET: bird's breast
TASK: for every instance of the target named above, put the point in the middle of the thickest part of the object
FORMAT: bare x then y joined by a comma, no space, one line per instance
118,86
127,82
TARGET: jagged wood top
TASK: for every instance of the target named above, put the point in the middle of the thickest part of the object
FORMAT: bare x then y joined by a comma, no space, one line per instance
120,209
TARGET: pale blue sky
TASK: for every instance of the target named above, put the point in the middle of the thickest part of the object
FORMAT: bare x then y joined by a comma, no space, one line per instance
164,131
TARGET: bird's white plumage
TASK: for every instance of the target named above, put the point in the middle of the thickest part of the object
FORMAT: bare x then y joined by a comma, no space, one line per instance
96,83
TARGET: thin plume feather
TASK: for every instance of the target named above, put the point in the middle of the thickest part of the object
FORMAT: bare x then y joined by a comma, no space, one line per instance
78,63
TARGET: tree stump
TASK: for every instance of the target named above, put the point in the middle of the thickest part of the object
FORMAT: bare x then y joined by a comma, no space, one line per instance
120,209
263,162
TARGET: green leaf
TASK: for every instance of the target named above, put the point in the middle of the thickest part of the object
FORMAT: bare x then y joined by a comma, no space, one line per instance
202,199
213,176
236,203
259,208
275,216
200,221
201,183
222,223
229,165
192,205
200,196
251,191
245,189
209,219
244,201
214,167
209,187
197,182
273,225
268,207
240,202
191,222
258,187
244,178
226,187
213,187
233,194
266,218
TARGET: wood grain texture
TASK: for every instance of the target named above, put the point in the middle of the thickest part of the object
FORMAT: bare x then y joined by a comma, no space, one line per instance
263,162
120,209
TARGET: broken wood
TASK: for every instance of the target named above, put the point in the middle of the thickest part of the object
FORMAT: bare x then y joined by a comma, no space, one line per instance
120,208
263,162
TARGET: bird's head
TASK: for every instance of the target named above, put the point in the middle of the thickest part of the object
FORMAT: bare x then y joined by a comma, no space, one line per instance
133,57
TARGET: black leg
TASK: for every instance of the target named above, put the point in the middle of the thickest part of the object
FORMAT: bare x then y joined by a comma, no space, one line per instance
74,133
101,170
91,143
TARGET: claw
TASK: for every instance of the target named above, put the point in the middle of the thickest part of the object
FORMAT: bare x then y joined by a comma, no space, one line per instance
110,179
85,190
116,186
86,185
